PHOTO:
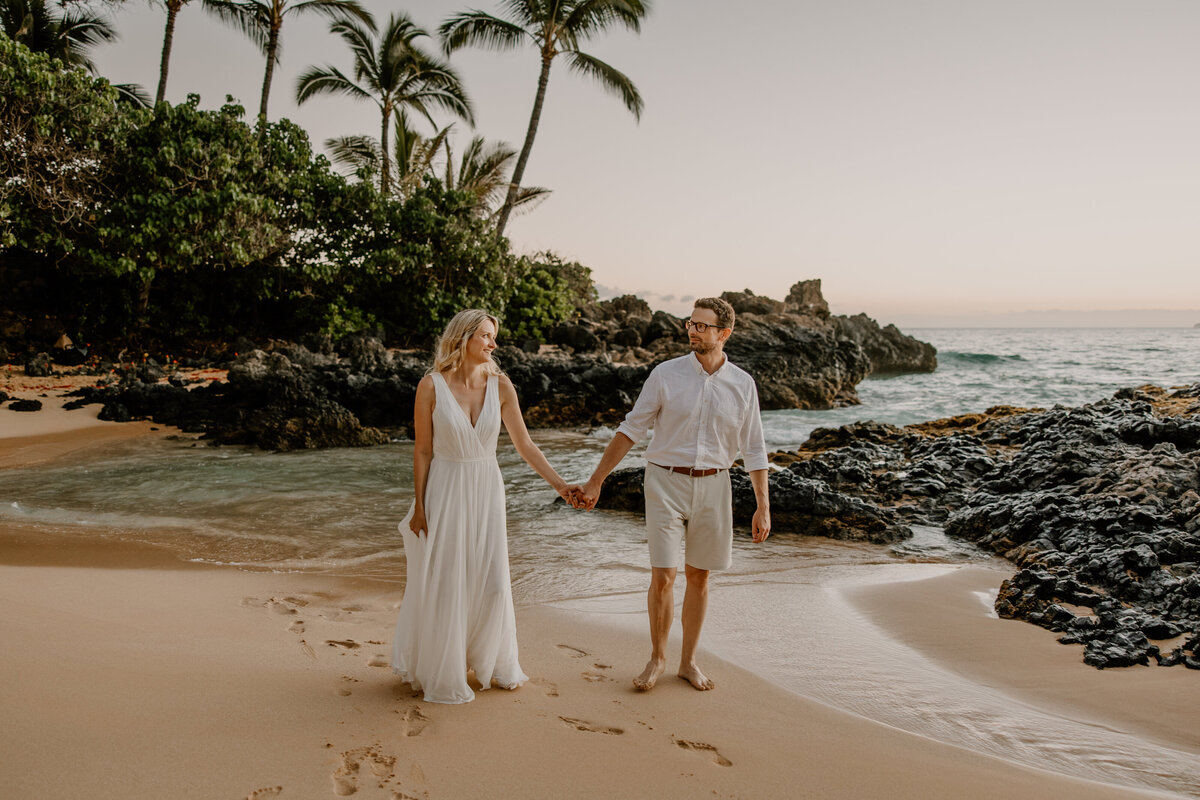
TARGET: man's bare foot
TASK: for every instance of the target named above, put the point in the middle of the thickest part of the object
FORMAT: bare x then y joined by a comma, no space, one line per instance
696,678
650,675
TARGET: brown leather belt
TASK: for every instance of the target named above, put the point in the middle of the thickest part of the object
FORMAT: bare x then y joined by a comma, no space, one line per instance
690,471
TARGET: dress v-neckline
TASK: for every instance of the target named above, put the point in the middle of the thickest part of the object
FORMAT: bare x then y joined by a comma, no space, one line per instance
467,414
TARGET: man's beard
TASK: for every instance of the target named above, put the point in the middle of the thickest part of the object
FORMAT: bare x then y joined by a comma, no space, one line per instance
702,348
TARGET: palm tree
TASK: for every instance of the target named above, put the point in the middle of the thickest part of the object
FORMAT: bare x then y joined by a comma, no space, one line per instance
68,36
173,8
394,72
554,27
412,153
483,173
262,21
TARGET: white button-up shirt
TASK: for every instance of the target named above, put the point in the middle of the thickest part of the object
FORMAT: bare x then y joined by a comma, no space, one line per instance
699,420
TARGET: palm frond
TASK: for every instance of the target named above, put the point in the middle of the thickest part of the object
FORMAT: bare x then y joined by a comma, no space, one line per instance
327,80
335,9
530,197
476,28
590,17
250,17
359,153
133,94
362,45
611,79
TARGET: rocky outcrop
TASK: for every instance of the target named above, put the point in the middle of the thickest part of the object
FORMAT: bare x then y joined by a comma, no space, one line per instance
797,366
799,354
1097,506
889,351
1100,508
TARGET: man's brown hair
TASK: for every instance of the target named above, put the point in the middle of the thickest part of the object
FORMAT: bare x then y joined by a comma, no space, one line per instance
720,307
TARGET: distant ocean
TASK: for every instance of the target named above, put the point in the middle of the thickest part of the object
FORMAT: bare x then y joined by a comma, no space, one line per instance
336,511
983,367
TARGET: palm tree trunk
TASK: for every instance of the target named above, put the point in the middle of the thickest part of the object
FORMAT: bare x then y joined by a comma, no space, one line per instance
385,169
272,47
173,7
519,170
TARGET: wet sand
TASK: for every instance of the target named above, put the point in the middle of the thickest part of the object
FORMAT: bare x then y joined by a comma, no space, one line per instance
129,673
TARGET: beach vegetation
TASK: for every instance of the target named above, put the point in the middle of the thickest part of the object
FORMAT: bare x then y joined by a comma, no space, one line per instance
413,154
553,29
262,22
68,34
392,70
482,171
175,225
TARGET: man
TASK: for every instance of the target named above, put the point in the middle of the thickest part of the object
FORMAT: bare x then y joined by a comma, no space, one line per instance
703,411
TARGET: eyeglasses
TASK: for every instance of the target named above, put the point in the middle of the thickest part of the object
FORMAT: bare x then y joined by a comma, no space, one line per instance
701,327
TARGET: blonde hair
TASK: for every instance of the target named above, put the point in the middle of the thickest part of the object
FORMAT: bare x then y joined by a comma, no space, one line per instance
448,352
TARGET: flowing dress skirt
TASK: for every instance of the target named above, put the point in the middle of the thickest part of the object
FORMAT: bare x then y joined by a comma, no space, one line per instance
457,611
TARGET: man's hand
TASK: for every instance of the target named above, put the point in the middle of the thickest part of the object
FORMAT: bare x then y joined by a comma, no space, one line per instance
590,493
761,525
573,494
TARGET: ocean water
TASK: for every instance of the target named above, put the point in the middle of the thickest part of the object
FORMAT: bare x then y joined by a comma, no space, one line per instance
1033,368
336,511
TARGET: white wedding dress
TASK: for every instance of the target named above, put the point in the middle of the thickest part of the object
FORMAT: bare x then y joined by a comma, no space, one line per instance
457,611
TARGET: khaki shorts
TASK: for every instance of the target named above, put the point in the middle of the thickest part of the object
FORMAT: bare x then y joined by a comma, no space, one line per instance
698,511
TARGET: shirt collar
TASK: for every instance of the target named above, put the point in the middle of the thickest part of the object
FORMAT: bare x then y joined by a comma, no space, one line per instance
700,367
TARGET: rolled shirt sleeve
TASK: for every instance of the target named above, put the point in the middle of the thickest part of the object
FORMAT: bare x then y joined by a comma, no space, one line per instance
640,419
750,436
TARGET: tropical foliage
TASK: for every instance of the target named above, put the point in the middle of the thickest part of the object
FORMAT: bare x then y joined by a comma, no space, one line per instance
393,71
262,21
68,33
413,155
554,28
177,224
482,173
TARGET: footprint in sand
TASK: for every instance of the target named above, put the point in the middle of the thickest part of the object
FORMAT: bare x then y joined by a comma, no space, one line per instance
349,644
280,607
350,771
414,720
574,652
594,677
297,626
261,794
591,727
701,747
415,776
550,687
379,660
306,648
343,689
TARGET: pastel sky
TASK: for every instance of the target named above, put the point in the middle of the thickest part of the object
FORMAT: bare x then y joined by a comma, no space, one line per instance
926,157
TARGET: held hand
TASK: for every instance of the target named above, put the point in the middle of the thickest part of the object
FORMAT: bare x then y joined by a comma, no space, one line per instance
570,493
761,525
417,524
590,494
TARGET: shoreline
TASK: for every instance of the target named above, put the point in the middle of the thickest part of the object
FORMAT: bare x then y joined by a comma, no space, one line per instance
164,677
172,679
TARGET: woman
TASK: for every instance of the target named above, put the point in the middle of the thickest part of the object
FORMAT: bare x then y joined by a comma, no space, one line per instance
457,612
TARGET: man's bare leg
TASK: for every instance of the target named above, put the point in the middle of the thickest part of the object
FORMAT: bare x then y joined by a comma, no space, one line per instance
695,604
660,606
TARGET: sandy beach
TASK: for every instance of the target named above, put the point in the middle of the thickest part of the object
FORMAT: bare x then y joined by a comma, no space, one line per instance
130,673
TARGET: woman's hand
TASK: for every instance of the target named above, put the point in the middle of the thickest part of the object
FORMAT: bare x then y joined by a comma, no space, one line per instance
570,493
417,523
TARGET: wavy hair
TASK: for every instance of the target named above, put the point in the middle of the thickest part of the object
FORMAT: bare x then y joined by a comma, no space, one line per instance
448,352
